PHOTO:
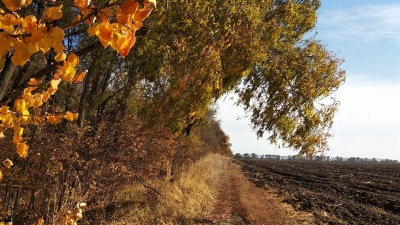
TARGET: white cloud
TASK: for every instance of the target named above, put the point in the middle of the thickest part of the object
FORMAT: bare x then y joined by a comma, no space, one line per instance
366,125
370,23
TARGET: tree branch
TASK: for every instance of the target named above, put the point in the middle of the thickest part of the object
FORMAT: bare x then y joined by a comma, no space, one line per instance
146,186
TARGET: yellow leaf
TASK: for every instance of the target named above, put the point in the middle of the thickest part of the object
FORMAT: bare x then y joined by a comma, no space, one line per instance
40,221
73,59
57,34
54,83
19,131
30,24
80,77
105,31
54,13
28,92
93,30
45,96
27,3
118,41
129,7
20,105
69,72
7,121
123,44
60,57
51,91
81,4
6,42
2,134
69,116
141,14
1,175
34,82
17,139
8,163
58,47
13,4
45,44
105,14
9,21
32,47
124,18
22,150
4,110
21,55
54,119
26,119
78,216
150,1
37,100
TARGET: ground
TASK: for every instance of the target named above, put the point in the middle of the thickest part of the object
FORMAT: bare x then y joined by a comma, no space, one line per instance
278,192
241,202
333,192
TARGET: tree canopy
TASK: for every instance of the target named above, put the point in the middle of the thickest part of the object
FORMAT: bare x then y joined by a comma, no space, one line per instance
86,86
194,53
265,51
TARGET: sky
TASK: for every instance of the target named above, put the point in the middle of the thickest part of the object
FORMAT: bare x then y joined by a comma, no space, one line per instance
367,35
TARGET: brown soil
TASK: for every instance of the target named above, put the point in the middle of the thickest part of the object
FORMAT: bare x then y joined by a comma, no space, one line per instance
240,202
335,193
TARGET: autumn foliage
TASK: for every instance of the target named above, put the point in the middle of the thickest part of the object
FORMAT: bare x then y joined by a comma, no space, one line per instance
25,36
95,95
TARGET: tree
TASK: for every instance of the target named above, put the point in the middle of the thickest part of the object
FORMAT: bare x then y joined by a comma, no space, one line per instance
238,155
259,49
285,90
148,107
37,31
42,66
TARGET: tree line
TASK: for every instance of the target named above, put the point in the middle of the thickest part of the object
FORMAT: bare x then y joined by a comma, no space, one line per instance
315,158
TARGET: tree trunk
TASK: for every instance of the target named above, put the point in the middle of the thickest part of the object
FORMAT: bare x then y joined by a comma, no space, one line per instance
6,77
84,97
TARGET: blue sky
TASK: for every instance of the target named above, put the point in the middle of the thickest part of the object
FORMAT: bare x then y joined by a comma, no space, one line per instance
367,35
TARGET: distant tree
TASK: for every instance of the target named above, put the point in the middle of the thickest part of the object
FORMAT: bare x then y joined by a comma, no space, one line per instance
238,155
254,155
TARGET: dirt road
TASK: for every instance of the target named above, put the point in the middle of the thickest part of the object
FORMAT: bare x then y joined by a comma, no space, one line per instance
240,202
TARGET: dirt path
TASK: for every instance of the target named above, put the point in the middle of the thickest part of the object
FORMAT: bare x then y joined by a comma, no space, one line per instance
240,202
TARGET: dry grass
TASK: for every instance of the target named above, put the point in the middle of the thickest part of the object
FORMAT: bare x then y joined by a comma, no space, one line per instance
212,190
183,200
266,207
239,197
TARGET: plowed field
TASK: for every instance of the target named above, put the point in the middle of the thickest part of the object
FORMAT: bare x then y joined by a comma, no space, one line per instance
336,193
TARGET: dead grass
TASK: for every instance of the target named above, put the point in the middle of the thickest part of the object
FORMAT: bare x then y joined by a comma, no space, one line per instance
211,191
183,201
